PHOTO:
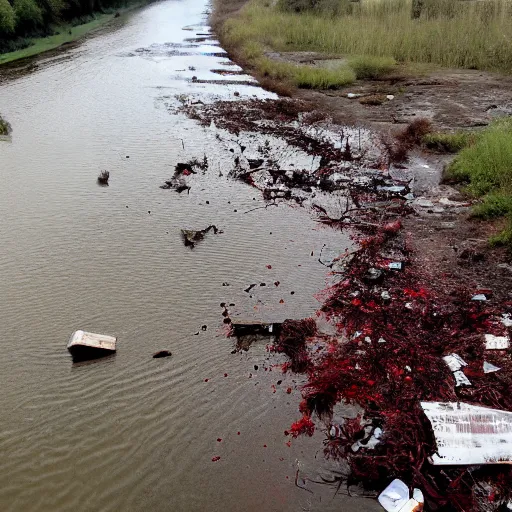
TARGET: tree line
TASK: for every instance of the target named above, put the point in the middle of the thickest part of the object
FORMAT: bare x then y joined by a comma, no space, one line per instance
29,18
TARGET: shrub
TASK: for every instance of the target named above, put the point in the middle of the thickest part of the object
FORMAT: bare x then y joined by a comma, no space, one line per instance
415,131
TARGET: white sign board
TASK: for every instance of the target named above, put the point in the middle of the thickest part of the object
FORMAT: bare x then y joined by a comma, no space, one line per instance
469,434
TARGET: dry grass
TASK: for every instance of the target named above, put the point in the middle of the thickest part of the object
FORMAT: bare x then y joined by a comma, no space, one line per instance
450,33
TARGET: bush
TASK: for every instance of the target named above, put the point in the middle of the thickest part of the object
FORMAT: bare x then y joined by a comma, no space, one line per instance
415,131
368,67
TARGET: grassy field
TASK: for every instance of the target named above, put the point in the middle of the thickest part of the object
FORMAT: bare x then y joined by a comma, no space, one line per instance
484,167
471,34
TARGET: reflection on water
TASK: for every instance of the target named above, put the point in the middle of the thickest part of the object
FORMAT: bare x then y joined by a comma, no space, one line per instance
131,432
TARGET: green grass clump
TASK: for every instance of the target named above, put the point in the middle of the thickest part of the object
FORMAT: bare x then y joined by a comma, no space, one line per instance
449,142
494,204
487,164
306,77
505,236
5,127
371,67
486,168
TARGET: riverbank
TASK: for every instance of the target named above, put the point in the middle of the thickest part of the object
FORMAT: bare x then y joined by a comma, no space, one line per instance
397,303
402,301
312,58
66,34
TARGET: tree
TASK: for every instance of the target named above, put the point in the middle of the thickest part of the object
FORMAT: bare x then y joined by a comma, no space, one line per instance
29,15
7,18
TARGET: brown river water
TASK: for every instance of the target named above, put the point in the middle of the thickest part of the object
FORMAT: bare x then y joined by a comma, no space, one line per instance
131,432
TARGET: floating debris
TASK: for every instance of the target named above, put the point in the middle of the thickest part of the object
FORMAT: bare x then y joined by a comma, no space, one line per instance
192,237
87,345
162,353
103,178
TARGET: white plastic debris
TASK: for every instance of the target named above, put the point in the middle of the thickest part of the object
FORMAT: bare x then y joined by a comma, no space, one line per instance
468,434
490,368
506,320
395,497
370,440
461,379
396,265
385,295
87,345
454,362
351,95
418,496
391,188
335,431
496,342
390,97
479,297
381,340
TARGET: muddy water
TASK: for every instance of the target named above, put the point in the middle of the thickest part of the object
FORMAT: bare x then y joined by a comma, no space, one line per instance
131,432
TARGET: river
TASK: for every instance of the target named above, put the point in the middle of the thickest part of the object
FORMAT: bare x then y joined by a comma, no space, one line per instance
131,432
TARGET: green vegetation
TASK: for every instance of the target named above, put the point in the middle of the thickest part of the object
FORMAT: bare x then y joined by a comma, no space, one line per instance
370,67
449,142
485,167
5,127
28,27
452,33
306,77
66,34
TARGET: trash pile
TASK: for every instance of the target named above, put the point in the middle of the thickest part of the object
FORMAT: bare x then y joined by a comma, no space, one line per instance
428,364
403,340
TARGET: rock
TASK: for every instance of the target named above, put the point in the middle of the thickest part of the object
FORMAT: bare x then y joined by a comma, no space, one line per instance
422,202
162,353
